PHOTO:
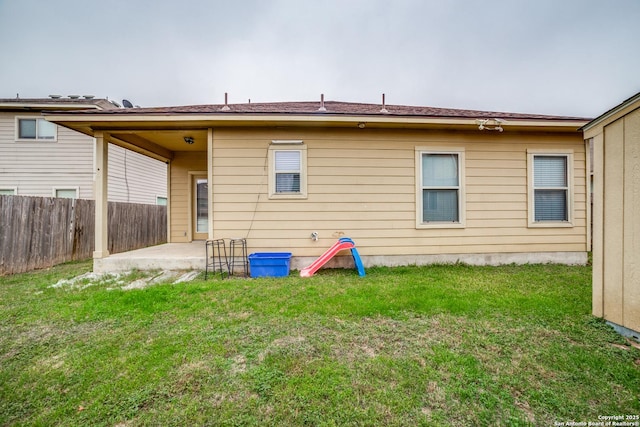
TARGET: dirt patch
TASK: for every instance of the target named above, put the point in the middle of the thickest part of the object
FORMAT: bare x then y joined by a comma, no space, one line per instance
86,280
121,281
239,364
288,344
620,346
526,409
633,343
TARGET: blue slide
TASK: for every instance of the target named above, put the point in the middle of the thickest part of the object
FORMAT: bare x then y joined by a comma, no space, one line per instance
356,256
358,261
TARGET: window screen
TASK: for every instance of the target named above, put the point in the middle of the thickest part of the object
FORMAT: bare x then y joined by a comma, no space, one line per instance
550,182
440,187
27,129
287,170
46,130
36,129
66,193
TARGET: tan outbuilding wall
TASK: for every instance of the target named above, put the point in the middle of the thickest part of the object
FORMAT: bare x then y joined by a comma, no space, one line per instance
362,183
616,249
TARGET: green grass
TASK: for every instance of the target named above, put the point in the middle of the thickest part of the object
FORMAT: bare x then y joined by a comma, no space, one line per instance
440,345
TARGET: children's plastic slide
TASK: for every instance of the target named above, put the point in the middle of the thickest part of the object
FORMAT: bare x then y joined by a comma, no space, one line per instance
342,244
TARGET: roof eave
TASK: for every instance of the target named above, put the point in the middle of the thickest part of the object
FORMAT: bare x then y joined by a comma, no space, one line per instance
40,107
609,115
230,119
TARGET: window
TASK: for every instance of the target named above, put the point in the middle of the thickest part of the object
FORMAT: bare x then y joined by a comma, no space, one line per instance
440,188
161,201
35,129
287,178
550,188
287,168
65,193
8,191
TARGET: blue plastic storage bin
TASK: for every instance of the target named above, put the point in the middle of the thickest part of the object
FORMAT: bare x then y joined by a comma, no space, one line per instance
269,264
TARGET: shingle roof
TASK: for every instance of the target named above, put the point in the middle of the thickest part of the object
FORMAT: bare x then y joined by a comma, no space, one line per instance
52,103
332,108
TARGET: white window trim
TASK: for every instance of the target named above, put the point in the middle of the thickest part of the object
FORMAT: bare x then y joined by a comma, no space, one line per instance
462,220
17,130
284,146
532,223
76,189
14,189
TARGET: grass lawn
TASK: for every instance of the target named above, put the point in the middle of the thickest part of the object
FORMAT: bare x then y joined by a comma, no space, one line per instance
440,345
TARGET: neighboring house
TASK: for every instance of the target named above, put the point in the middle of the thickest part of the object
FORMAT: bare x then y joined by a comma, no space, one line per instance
38,158
411,185
615,136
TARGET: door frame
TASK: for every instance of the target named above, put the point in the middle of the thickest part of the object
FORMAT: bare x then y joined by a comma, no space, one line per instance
192,210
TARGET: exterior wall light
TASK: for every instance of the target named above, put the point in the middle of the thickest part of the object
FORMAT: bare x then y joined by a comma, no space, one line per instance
189,140
490,124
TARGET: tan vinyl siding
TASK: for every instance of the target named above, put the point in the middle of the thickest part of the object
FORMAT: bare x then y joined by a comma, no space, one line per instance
181,165
362,184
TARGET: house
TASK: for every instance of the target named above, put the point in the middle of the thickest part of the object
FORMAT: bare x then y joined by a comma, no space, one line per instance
410,185
615,136
38,158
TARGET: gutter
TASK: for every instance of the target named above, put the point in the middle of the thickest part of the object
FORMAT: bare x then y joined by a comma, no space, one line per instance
231,119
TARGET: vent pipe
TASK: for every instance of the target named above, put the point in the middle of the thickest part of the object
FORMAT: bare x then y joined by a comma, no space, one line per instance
322,108
226,103
384,105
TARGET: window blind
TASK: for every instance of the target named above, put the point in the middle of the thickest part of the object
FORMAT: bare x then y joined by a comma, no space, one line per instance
440,170
440,187
46,130
550,181
550,171
287,167
551,205
287,161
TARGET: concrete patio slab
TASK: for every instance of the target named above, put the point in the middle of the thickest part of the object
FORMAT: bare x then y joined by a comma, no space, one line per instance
169,256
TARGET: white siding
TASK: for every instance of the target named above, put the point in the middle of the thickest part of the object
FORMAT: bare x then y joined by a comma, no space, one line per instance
135,178
35,168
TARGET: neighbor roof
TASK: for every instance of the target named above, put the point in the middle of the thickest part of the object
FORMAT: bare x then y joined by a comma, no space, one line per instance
52,104
330,108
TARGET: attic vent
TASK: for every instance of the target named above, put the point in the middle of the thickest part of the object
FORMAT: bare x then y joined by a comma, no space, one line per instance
322,108
74,96
384,105
88,96
55,96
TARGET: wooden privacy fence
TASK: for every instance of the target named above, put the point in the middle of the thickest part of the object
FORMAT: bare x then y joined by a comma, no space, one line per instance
38,232
133,226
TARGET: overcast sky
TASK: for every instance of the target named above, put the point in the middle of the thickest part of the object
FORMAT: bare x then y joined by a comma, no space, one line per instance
565,57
